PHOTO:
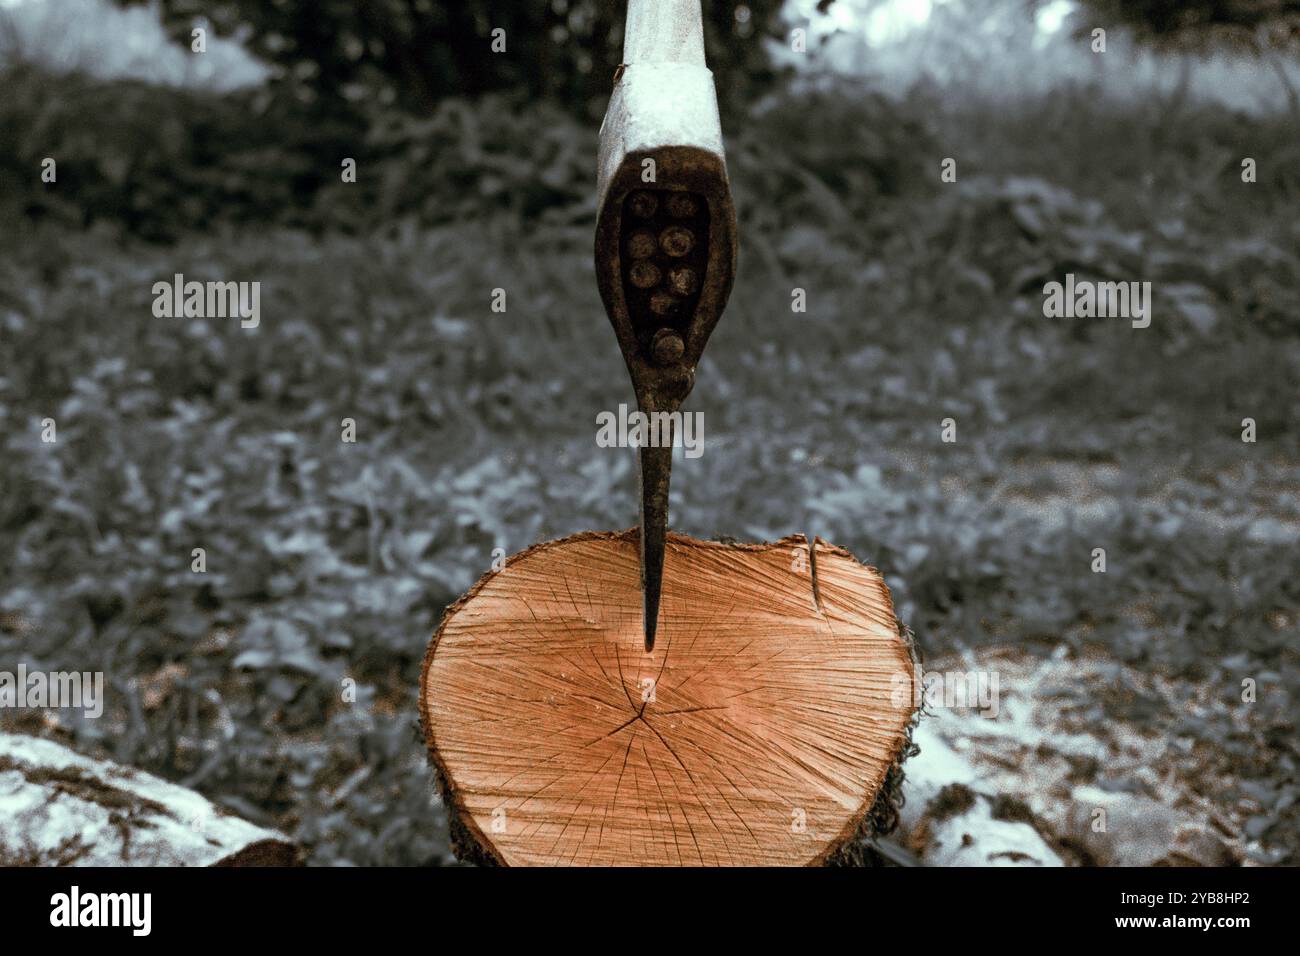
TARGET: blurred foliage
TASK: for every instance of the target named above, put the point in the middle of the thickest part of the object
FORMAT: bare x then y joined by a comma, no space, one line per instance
1249,24
413,53
881,149
498,154
159,160
329,562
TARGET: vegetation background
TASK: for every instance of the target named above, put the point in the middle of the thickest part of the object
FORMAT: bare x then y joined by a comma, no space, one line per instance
328,561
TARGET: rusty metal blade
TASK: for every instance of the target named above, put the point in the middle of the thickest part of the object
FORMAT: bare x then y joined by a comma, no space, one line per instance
656,467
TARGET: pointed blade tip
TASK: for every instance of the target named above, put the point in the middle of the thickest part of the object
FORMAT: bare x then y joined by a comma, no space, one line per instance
651,625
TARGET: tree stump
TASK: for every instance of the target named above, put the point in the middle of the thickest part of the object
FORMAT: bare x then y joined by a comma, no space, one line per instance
775,707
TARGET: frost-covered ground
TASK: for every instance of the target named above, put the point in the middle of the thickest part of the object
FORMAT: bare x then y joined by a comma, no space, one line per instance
1089,761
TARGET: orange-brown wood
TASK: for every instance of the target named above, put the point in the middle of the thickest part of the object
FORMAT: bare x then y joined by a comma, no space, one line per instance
758,731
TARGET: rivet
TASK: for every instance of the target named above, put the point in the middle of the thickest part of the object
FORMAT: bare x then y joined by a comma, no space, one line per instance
644,274
681,205
661,303
677,241
644,204
667,347
641,245
681,279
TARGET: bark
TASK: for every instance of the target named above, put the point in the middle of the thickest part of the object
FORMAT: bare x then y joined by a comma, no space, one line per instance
766,728
58,808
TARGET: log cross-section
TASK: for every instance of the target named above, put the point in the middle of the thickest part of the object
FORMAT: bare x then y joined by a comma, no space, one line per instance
758,732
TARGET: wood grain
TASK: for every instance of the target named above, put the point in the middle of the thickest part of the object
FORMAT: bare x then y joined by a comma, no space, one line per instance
757,733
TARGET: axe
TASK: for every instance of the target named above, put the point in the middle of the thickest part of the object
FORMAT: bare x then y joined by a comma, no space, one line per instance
665,240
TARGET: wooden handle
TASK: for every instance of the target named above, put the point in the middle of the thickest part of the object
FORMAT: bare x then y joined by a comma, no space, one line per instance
663,31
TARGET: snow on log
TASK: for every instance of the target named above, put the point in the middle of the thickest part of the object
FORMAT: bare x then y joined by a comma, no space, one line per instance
58,808
770,717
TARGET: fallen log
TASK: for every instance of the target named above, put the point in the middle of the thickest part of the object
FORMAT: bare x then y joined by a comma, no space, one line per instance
766,728
58,808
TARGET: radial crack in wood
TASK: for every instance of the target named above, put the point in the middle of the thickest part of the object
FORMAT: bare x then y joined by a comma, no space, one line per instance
759,731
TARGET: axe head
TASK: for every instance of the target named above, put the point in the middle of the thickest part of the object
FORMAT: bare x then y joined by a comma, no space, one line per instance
666,225
665,236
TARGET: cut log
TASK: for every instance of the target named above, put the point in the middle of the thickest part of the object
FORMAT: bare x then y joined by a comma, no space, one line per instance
58,808
765,728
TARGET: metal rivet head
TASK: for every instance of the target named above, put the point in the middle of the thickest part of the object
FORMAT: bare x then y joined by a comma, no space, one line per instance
677,241
681,205
680,380
667,347
682,280
661,303
644,274
644,204
641,245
